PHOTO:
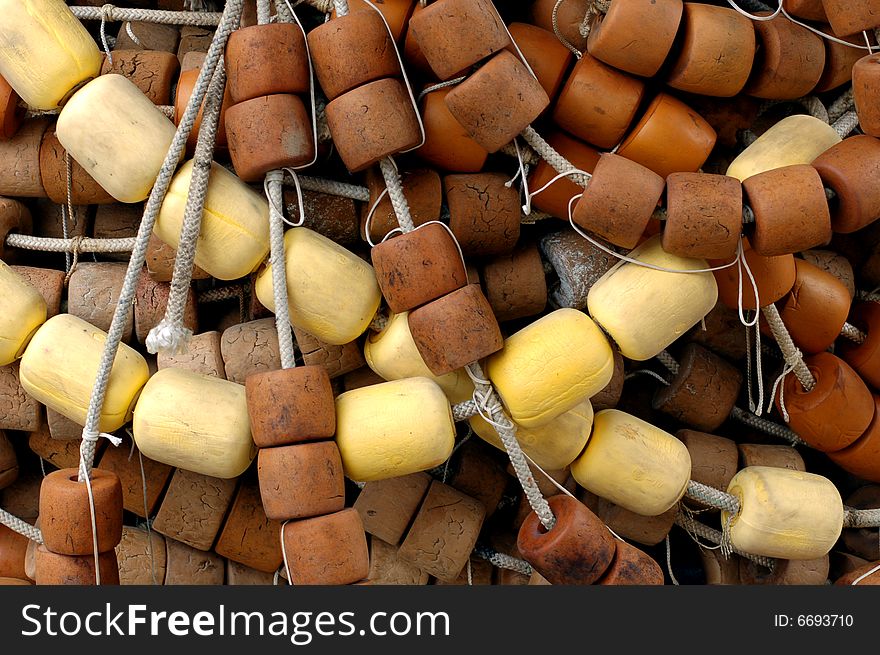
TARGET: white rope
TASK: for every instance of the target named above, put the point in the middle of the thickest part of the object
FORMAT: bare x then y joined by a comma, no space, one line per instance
171,336
334,188
554,21
668,361
279,268
113,14
341,7
21,527
842,105
846,124
231,17
80,244
395,194
490,409
851,332
502,561
790,352
715,536
768,427
552,157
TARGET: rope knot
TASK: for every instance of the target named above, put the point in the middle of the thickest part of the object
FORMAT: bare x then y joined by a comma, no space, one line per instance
92,436
168,338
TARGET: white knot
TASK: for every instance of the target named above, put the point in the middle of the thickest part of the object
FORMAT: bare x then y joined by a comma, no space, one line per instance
168,339
89,435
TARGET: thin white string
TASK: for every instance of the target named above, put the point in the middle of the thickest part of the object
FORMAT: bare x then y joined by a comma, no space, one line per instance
824,35
369,219
311,91
284,553
523,174
631,260
865,575
299,198
753,16
409,90
554,21
788,368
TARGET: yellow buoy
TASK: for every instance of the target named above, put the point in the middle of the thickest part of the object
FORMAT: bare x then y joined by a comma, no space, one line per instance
798,139
61,363
22,311
644,309
550,366
234,239
45,52
331,292
394,428
117,135
393,355
552,446
784,513
195,422
633,464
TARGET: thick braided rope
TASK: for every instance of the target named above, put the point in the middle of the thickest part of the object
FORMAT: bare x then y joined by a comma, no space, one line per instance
341,7
846,124
334,188
851,332
464,410
769,427
861,518
21,527
712,497
79,244
790,352
170,335
812,104
486,397
559,163
112,13
395,194
325,6
529,156
230,20
503,561
279,269
840,106
668,361
264,12
715,536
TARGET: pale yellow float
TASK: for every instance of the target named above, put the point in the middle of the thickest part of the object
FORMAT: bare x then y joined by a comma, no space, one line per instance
393,355
117,135
394,428
61,363
798,139
194,422
550,366
45,52
22,311
552,446
633,464
332,293
784,513
645,309
234,238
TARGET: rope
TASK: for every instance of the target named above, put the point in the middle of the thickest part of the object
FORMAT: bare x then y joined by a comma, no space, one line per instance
279,269
549,154
527,155
341,7
846,124
768,427
21,527
840,106
554,20
668,361
112,13
440,85
790,352
264,13
853,333
861,518
395,194
502,561
76,244
334,188
171,336
489,405
712,497
715,536
812,104
464,410
231,18
325,6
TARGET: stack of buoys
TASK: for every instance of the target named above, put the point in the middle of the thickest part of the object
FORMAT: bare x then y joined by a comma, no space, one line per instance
676,234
